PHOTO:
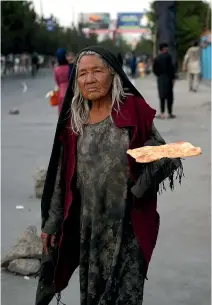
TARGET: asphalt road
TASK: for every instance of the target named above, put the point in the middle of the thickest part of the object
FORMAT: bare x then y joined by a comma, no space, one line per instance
179,272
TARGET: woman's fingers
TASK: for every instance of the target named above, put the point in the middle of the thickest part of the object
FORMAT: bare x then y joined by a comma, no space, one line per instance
53,240
45,241
48,240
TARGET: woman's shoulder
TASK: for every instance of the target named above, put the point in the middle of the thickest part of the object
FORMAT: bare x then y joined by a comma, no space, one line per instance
138,102
139,108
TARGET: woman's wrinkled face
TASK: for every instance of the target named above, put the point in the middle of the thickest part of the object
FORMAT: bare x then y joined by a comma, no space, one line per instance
94,78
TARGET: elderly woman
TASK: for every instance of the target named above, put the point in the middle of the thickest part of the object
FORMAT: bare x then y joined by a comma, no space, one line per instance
98,211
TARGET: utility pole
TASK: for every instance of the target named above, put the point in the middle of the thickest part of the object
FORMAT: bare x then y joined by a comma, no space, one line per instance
73,16
166,26
154,38
41,9
115,32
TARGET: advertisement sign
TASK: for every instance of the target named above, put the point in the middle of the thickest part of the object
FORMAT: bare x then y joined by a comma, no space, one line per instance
131,21
95,21
50,24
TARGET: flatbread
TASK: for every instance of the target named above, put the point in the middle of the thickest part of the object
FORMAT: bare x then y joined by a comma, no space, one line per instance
149,154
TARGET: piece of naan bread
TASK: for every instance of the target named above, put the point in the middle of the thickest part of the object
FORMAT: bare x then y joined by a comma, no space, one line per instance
147,154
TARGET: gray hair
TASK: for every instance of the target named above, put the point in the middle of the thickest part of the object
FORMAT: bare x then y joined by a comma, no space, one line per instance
79,106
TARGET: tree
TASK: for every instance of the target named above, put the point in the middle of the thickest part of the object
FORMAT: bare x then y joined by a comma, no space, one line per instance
152,25
193,17
191,23
124,46
18,26
144,46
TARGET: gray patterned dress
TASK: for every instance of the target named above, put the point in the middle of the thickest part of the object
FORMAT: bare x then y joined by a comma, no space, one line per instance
111,262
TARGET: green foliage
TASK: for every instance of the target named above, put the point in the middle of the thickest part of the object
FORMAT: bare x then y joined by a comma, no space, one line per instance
24,31
17,25
193,18
144,46
152,24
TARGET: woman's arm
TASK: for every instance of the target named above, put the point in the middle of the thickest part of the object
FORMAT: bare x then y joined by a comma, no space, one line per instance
56,211
185,61
154,173
155,135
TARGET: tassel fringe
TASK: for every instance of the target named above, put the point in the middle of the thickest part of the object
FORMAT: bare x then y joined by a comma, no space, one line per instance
58,299
175,175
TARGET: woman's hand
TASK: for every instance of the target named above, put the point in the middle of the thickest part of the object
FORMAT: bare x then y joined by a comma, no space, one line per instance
48,240
184,69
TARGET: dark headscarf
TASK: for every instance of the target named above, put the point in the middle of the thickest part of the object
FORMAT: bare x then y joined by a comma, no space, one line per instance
71,66
120,59
113,63
61,57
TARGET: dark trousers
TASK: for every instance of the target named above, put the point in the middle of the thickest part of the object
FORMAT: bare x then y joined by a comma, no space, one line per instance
133,72
169,101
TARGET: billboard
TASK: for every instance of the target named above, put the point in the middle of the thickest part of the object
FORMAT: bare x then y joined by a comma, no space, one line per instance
131,21
50,24
95,21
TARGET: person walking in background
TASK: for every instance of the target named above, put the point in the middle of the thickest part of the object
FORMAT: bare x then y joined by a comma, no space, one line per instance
52,62
70,58
35,63
192,65
141,68
133,67
9,67
164,70
61,74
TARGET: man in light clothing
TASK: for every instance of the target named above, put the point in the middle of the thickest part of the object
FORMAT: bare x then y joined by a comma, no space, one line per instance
192,65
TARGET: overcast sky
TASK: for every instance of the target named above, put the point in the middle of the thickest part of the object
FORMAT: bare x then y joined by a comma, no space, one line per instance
67,10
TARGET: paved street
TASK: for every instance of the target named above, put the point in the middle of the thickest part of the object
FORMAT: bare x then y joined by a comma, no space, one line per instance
179,273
